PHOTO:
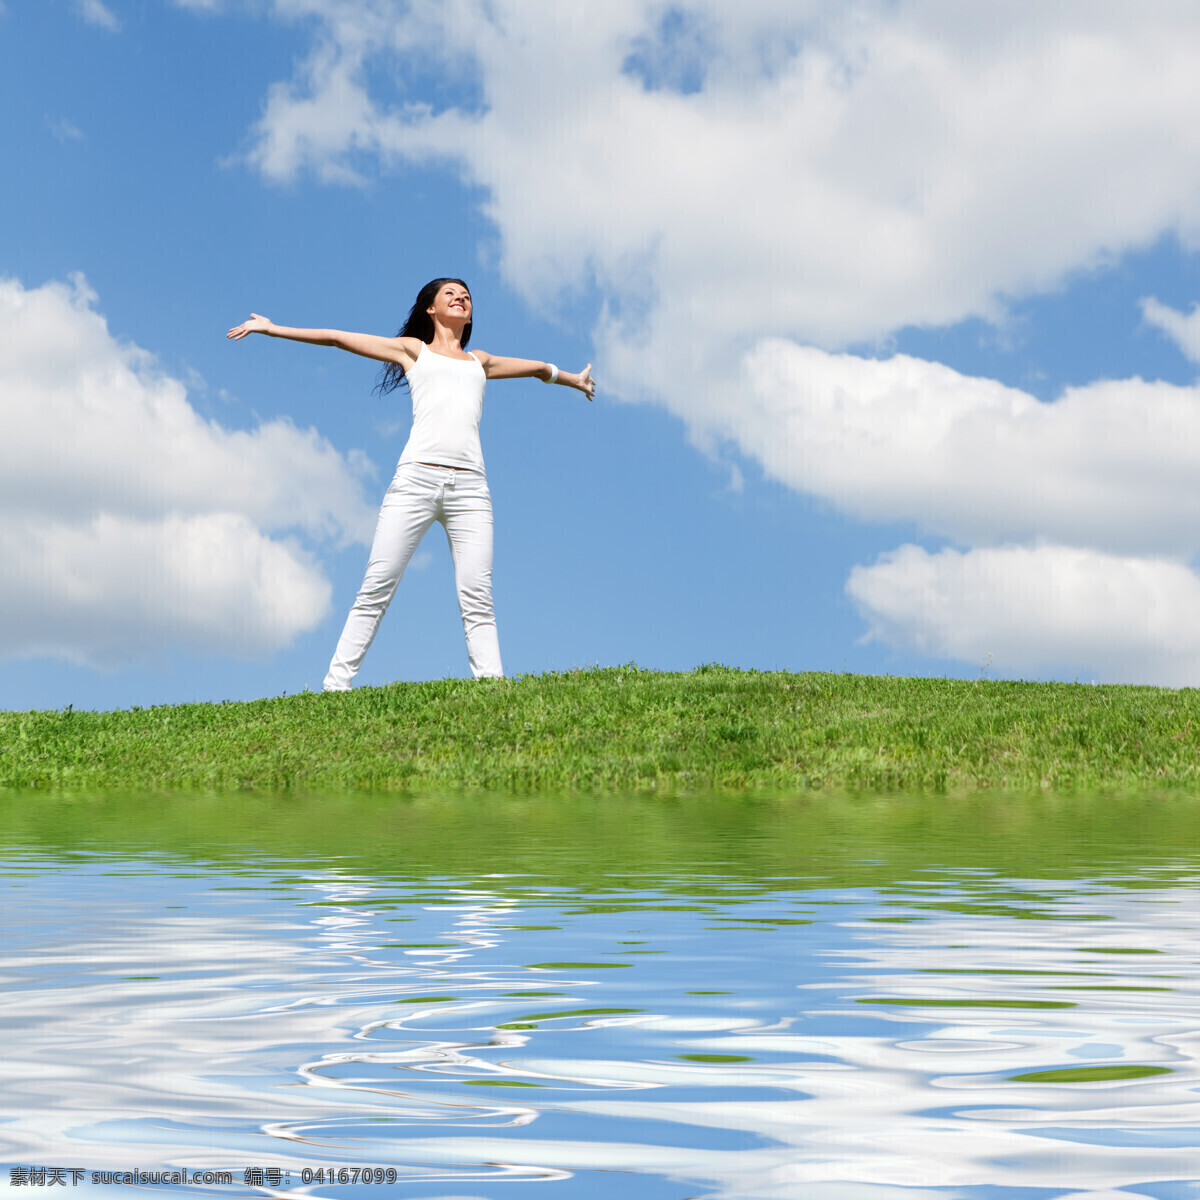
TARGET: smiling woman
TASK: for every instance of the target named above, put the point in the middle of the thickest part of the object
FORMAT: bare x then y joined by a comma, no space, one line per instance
440,476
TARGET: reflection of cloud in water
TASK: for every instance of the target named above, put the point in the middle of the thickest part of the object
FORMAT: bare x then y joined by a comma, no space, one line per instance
282,1031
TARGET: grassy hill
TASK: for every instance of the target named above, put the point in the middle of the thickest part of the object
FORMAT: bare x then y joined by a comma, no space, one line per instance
622,729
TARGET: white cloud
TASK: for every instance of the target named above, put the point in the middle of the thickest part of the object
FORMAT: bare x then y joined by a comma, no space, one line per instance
116,588
1038,610
844,170
64,130
96,13
1114,465
1182,328
130,523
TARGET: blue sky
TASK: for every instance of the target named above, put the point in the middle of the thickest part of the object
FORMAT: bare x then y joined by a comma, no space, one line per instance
891,316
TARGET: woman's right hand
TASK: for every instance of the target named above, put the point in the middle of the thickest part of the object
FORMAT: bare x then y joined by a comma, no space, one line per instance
586,384
256,324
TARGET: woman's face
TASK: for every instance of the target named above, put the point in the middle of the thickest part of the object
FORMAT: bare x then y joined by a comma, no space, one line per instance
451,304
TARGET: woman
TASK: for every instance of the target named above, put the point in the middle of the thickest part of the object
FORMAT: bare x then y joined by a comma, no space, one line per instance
440,475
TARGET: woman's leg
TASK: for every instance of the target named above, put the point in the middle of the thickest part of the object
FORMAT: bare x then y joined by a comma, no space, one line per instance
467,516
408,510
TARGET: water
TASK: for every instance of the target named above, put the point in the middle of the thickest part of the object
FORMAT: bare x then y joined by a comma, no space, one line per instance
826,999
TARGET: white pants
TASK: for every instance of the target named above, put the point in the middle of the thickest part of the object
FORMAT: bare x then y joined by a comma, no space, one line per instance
418,496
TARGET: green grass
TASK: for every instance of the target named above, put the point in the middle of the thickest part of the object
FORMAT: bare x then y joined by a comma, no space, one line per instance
622,729
1103,1074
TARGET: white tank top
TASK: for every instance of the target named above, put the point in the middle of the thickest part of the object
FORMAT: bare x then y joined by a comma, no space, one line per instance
447,399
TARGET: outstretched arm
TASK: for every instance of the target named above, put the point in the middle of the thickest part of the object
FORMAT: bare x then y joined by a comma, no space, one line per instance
495,367
369,345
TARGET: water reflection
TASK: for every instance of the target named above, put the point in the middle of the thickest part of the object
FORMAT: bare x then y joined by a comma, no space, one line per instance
713,1000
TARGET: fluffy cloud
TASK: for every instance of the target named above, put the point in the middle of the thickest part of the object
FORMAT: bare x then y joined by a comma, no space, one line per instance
115,588
1114,465
1182,328
790,177
829,173
1029,610
96,13
64,130
129,523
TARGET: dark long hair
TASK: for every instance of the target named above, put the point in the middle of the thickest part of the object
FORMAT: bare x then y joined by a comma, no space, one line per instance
418,324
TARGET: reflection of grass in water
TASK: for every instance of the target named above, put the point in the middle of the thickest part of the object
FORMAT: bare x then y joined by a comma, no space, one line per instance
529,1020
716,1058
1114,987
621,729
588,910
578,1012
1114,950
500,1083
574,966
743,922
420,946
1091,1074
718,854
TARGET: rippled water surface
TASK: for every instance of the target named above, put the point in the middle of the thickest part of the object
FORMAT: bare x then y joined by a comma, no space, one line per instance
985,999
